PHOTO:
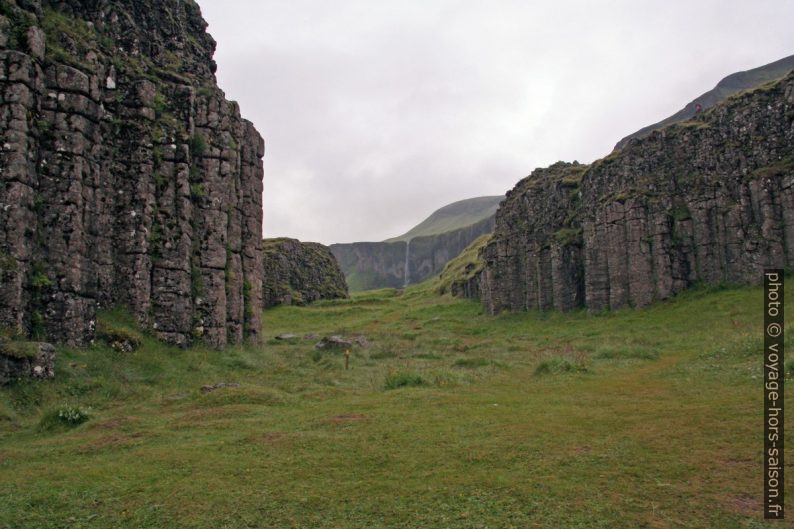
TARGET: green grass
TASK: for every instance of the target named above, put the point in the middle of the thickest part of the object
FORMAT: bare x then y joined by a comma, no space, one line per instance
404,379
557,365
661,431
360,281
19,349
118,330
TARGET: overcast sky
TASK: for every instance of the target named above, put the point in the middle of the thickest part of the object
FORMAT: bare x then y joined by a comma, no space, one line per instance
376,113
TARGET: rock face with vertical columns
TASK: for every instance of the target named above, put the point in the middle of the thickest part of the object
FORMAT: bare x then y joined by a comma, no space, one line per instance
707,200
126,177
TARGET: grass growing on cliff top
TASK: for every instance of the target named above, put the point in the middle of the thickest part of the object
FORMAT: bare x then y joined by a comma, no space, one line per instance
462,268
647,418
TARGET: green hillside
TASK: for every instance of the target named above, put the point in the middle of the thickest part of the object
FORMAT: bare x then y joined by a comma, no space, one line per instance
453,216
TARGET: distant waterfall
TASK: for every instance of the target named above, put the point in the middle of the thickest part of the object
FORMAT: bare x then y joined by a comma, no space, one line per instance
407,275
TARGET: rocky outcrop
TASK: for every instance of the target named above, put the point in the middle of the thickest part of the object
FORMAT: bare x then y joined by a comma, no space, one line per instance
397,264
707,200
537,238
460,276
297,273
21,360
127,177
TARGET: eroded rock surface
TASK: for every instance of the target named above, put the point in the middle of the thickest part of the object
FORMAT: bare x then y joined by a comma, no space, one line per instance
126,177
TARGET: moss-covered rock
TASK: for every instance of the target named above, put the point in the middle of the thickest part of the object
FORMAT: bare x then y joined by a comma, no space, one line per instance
120,338
22,359
298,273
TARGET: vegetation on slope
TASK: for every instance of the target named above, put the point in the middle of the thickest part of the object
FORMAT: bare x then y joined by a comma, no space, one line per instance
461,269
646,418
453,216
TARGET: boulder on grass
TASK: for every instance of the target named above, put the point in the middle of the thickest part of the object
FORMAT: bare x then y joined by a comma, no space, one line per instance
339,342
19,360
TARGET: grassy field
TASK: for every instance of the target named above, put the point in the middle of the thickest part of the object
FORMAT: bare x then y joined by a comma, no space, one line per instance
449,419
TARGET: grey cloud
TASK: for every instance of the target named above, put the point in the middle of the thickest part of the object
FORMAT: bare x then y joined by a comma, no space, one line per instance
377,113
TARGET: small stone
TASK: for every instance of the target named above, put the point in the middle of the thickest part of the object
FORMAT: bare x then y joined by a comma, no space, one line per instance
333,342
212,387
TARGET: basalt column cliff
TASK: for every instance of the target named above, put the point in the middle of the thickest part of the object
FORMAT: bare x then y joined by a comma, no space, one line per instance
126,177
706,200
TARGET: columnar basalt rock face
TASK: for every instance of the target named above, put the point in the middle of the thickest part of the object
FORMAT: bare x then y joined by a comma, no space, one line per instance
127,177
297,273
535,253
709,200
